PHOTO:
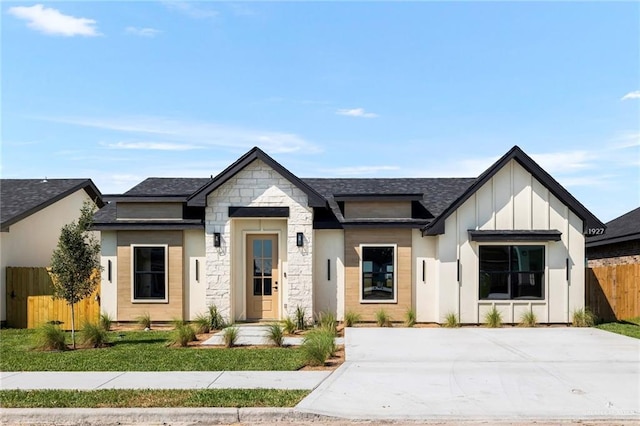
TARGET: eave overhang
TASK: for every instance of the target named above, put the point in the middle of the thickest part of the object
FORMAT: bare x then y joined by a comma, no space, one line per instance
514,235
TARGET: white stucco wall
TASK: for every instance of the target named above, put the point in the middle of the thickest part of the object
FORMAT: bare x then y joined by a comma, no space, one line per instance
426,290
195,288
109,287
328,281
258,185
511,200
31,241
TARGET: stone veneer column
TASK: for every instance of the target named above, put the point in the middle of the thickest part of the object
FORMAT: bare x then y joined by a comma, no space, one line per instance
258,185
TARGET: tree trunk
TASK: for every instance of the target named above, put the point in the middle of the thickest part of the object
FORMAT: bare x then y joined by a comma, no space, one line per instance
73,325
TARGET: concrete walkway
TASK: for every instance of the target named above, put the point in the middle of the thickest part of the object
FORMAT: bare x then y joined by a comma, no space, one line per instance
257,334
162,380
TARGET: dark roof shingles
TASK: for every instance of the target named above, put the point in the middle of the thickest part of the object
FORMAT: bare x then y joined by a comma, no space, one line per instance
21,197
167,187
626,225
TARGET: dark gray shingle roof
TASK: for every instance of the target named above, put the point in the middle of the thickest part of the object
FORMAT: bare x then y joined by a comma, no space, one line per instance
438,193
155,186
20,198
623,228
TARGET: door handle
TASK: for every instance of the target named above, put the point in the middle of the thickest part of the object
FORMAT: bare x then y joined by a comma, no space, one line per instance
275,287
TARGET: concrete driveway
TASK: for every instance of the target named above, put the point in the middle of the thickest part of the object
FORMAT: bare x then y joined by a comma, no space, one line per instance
479,373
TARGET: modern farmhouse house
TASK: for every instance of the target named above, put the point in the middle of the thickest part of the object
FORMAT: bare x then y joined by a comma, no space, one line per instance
258,242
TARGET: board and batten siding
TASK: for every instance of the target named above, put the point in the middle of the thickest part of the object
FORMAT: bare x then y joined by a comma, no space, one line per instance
403,239
511,200
162,311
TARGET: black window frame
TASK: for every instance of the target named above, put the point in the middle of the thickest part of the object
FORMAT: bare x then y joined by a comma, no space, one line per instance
157,275
380,274
515,280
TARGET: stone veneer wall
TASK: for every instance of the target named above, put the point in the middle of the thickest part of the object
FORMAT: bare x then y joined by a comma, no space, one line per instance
258,185
624,253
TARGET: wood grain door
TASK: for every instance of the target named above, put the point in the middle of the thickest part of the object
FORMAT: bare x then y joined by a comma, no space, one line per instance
262,276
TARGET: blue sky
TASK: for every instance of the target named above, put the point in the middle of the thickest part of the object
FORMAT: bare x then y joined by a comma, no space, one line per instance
121,91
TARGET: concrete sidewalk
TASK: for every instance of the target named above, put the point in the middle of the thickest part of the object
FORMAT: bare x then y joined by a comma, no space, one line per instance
162,380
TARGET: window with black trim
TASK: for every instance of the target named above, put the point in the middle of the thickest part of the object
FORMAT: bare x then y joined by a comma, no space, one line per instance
378,273
149,273
511,272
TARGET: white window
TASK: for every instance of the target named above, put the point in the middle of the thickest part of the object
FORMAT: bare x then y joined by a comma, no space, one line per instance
149,273
378,280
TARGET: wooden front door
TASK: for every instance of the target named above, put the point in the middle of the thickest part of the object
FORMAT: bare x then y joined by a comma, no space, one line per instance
262,276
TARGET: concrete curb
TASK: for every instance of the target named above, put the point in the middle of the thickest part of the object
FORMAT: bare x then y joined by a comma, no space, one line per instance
181,416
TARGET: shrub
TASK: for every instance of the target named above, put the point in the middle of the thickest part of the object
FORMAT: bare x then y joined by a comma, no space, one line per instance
351,318
301,322
327,320
528,319
217,322
410,317
105,321
289,326
49,337
583,318
318,345
202,323
493,318
275,334
382,318
451,320
93,336
182,334
144,320
230,336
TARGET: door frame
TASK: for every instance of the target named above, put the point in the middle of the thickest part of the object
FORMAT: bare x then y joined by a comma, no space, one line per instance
245,295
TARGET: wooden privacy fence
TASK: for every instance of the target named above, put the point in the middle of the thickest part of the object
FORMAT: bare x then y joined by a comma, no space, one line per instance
613,292
30,301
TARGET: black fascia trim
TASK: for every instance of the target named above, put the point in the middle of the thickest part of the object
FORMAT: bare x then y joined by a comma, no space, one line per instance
327,225
162,226
149,199
88,186
374,224
199,198
514,235
258,211
378,197
613,240
589,220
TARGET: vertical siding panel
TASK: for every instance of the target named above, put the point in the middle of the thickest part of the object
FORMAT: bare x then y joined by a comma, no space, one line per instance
503,199
522,197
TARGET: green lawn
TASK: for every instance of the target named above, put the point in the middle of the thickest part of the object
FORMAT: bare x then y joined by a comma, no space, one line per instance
141,351
629,327
151,398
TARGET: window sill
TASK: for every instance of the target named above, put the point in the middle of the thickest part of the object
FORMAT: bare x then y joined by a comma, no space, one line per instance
150,301
369,302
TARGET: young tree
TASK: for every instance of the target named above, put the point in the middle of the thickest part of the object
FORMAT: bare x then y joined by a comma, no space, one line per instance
75,262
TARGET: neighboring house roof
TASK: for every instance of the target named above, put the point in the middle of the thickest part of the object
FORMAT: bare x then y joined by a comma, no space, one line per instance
621,229
199,198
589,220
20,198
167,187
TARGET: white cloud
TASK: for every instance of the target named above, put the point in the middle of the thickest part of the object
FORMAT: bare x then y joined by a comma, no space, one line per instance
356,112
142,32
359,170
631,95
191,10
50,21
566,162
157,146
200,134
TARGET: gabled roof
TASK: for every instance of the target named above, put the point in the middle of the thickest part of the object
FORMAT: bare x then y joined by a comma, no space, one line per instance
589,220
20,198
620,229
199,198
167,187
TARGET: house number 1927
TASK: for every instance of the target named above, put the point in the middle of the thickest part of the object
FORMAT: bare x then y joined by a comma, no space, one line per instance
595,231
